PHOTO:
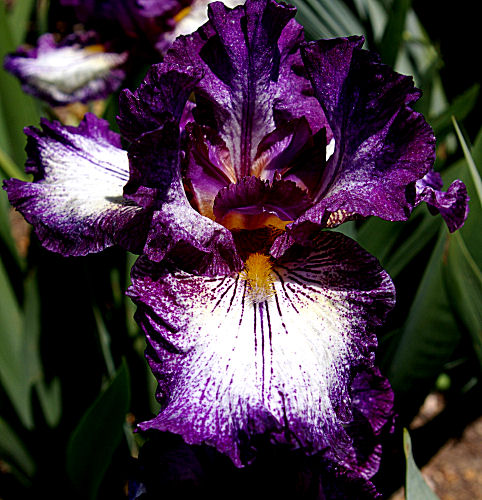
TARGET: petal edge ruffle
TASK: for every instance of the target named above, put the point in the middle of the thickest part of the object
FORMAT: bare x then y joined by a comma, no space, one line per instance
229,368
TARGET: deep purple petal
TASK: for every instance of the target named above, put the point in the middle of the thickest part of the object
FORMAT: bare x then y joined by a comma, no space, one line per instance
229,367
292,152
75,202
208,167
373,417
177,231
163,93
77,69
373,398
453,205
381,144
150,118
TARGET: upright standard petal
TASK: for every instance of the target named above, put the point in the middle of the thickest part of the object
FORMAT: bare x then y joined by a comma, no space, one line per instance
77,69
76,202
248,57
381,144
233,363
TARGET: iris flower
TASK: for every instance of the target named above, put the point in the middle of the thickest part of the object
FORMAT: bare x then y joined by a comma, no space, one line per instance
246,146
92,64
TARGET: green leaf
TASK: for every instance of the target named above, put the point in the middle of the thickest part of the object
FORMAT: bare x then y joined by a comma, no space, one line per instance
17,108
98,434
378,236
396,244
42,16
464,287
348,229
415,486
393,34
50,397
338,18
447,297
314,28
461,106
5,229
12,448
463,277
18,19
9,168
12,375
430,333
327,18
30,353
411,246
374,12
104,340
470,162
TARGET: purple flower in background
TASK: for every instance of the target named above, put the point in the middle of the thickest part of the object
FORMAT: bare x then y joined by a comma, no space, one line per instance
78,69
245,144
91,65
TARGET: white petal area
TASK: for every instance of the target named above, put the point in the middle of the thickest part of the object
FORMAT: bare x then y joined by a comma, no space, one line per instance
77,204
71,73
230,368
330,148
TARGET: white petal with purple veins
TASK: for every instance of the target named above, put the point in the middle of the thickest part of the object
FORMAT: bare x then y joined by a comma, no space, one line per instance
232,366
74,70
76,205
65,70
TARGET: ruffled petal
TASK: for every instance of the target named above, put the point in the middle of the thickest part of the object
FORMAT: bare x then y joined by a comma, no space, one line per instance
162,94
76,202
177,231
230,368
247,56
381,144
150,118
77,69
373,419
453,205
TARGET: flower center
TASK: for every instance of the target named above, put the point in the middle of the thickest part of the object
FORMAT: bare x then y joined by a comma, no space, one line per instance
258,274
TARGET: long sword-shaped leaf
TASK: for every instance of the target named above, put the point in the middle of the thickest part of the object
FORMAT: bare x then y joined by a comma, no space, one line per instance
393,34
97,436
429,336
12,449
464,287
327,18
461,106
17,109
12,375
415,486
18,19
470,162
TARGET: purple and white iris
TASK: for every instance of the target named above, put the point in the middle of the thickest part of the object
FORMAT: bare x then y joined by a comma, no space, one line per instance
77,69
245,144
91,65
